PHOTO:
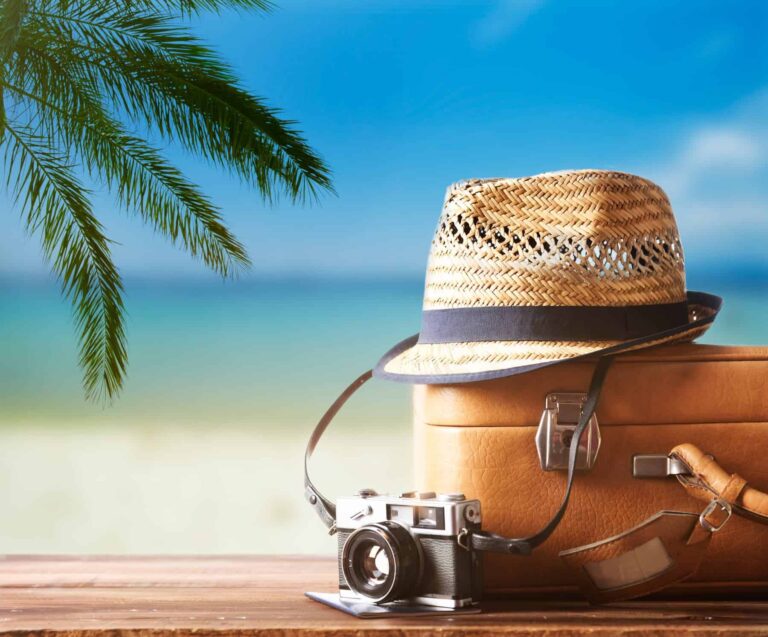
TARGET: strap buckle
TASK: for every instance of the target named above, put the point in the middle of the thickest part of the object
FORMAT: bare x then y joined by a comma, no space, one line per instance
713,506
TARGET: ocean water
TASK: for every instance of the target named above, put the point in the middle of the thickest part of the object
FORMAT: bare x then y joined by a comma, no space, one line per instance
202,452
234,353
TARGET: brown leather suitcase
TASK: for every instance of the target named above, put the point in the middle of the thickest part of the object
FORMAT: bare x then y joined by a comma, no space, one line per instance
481,439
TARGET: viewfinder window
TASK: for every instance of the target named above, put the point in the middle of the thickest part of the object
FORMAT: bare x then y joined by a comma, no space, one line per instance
430,518
403,514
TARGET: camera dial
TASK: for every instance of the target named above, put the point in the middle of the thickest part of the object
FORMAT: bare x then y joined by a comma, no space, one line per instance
381,561
418,495
451,497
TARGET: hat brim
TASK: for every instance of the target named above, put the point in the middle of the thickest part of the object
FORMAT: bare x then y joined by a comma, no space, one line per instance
442,363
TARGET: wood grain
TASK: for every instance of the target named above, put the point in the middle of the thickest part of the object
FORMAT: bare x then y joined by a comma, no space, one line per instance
243,596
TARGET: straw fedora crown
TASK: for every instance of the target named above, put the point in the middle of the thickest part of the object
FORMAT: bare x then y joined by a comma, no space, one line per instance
505,250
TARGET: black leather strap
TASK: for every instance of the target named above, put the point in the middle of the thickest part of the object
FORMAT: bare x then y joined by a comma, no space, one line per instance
481,540
485,541
324,508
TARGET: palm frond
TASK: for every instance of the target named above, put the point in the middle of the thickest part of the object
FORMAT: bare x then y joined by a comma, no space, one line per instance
88,89
137,173
56,207
189,96
12,12
202,6
181,8
103,26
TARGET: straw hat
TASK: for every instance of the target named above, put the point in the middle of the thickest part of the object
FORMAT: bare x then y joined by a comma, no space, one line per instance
533,271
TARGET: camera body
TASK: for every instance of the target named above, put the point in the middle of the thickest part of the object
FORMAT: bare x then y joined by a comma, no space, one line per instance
413,548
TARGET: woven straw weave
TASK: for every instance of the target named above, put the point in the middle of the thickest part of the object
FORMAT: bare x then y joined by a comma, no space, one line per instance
573,238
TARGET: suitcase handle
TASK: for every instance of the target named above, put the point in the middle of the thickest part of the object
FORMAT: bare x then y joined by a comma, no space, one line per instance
706,480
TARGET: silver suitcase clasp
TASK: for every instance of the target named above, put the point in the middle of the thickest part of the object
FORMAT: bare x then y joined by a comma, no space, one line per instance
561,414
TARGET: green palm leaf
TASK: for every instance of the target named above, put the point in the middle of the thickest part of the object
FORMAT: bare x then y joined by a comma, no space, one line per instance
76,77
139,176
161,74
55,207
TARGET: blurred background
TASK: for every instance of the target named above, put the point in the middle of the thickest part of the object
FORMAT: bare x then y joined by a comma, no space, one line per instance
202,452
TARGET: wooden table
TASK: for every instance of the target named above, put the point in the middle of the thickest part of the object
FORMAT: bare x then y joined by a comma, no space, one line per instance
243,596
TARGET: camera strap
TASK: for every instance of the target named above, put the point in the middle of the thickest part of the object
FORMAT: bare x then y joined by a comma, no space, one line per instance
480,540
486,541
324,508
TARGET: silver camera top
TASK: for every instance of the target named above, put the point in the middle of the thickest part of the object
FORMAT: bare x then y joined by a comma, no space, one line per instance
424,513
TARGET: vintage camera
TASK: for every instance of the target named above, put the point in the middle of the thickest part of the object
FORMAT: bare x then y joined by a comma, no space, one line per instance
413,549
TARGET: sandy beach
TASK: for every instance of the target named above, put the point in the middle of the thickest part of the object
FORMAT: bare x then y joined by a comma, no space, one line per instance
175,489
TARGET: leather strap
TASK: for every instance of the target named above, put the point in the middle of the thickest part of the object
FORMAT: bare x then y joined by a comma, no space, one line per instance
684,536
324,508
666,548
485,541
708,481
481,540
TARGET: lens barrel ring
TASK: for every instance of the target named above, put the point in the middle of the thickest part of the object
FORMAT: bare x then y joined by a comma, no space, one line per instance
384,542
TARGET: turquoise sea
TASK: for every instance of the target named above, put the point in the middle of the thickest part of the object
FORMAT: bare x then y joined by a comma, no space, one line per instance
212,353
238,353
202,452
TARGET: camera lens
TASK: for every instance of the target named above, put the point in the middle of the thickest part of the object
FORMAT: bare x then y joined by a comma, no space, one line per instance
374,565
381,561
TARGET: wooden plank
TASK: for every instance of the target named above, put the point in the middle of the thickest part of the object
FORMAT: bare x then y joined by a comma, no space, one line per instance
242,596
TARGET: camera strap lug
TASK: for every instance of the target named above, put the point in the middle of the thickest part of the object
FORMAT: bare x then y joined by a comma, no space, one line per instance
463,539
325,512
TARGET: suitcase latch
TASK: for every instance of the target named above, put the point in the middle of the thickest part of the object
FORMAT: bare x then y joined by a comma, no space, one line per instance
561,414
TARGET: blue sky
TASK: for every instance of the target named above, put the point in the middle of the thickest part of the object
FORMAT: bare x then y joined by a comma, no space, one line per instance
404,97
